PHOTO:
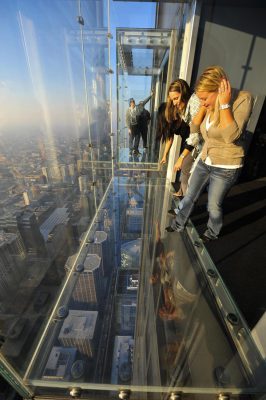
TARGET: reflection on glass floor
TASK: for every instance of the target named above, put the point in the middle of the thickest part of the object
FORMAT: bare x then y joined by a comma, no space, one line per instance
187,329
129,160
138,310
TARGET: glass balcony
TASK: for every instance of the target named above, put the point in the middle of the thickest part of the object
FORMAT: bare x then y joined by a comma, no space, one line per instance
96,299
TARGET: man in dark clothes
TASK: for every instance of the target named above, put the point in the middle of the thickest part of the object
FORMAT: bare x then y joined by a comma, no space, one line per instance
143,123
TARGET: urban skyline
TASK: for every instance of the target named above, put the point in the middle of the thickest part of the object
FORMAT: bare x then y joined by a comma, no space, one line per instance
47,200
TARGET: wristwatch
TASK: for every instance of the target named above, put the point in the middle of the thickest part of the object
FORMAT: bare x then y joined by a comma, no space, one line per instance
224,106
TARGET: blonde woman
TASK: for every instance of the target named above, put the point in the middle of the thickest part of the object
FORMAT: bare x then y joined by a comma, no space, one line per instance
222,119
177,114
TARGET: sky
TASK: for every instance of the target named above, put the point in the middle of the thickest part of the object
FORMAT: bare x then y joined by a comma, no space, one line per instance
41,72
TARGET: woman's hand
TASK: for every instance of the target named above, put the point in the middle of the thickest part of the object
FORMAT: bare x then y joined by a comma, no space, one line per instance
224,92
163,160
178,164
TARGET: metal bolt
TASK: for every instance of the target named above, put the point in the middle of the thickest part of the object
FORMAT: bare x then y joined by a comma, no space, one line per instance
223,396
75,392
62,312
124,394
175,396
241,333
232,318
197,244
211,273
80,20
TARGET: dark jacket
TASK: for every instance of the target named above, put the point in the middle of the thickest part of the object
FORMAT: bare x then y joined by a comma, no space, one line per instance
144,118
166,130
138,110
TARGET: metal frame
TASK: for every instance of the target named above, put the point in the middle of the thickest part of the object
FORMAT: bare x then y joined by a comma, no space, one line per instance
139,38
187,59
12,377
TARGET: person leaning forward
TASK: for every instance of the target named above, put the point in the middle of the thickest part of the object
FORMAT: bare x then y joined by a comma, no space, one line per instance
223,119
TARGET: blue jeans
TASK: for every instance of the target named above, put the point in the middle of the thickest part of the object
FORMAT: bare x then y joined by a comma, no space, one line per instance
220,181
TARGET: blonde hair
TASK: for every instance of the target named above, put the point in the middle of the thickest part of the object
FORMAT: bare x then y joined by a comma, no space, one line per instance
171,112
210,81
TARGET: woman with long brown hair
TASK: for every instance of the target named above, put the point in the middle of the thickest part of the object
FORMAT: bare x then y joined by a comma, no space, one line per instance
176,115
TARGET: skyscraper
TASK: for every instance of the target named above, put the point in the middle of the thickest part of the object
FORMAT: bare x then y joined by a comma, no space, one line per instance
89,286
12,255
78,331
59,363
30,232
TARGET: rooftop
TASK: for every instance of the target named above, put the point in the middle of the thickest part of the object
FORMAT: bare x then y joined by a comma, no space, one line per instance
79,325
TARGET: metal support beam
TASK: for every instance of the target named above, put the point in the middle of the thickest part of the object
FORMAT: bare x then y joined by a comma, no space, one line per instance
187,59
11,376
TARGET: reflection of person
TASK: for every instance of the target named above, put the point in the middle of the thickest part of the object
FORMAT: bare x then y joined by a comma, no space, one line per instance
143,122
132,116
179,111
160,270
175,295
221,126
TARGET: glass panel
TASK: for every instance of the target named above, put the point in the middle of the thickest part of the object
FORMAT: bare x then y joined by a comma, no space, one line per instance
148,60
145,313
141,56
56,155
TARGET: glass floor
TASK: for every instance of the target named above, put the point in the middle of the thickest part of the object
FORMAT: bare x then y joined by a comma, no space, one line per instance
139,310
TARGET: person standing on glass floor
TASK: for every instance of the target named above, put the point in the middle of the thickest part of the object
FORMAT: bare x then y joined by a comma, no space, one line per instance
132,116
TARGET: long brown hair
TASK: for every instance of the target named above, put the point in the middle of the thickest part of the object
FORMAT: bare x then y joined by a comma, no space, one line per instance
171,112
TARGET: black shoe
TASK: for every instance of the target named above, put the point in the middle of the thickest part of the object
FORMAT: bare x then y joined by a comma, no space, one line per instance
206,239
172,213
170,229
136,153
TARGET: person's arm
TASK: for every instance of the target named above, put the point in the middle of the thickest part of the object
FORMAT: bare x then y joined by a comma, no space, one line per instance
233,122
147,99
148,117
128,120
194,127
192,108
194,136
224,97
168,145
178,164
197,120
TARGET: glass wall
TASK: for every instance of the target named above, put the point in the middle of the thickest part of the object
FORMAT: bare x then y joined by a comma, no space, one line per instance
141,55
56,155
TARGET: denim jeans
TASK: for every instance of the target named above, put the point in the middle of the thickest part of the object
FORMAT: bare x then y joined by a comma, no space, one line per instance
134,138
185,174
220,181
